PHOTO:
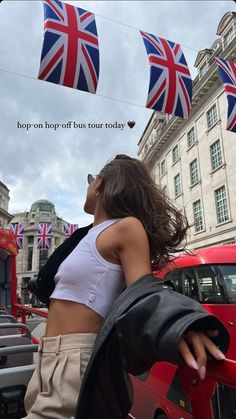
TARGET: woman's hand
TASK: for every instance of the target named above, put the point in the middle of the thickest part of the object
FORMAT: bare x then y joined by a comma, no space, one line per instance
200,344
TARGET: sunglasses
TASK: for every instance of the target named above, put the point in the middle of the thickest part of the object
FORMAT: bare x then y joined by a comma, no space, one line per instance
90,178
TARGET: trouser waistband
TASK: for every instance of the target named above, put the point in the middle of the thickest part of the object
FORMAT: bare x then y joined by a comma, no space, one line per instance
60,343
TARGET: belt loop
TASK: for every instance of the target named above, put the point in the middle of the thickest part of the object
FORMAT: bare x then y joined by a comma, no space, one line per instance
58,341
40,348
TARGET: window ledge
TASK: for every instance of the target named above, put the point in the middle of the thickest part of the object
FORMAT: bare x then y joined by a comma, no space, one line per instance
163,174
176,161
189,148
224,222
196,183
177,196
216,123
222,166
199,232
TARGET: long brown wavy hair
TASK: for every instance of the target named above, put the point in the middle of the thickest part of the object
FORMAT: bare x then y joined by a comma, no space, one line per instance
128,189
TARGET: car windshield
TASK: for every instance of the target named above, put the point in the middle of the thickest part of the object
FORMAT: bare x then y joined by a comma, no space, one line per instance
228,274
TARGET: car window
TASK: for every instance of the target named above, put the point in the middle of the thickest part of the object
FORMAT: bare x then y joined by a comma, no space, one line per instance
184,282
228,273
199,283
172,280
190,285
209,289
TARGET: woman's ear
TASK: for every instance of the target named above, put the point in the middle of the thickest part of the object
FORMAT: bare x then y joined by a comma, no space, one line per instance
98,185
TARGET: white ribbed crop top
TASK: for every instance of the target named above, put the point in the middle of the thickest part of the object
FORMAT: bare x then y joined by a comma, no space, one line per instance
86,277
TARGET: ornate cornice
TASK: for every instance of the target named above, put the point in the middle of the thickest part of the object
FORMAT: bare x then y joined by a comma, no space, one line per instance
224,22
6,214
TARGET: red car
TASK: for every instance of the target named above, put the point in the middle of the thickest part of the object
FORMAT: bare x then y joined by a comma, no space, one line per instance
209,276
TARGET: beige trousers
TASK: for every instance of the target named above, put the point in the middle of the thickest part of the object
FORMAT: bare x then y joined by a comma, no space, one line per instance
54,388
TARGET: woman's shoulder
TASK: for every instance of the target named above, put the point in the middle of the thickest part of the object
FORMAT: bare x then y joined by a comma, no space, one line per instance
130,226
130,222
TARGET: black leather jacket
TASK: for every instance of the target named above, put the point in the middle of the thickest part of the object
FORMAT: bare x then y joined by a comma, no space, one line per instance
144,326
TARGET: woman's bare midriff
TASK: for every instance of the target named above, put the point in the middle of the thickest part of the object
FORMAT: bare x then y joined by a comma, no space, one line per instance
65,317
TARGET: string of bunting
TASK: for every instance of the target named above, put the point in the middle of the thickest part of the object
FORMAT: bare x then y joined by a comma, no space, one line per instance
73,61
70,57
44,236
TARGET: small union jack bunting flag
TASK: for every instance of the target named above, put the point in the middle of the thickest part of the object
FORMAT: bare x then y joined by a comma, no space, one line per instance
44,235
69,229
70,53
18,231
227,71
170,86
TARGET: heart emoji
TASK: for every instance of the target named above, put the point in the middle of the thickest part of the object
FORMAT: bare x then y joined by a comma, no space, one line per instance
131,124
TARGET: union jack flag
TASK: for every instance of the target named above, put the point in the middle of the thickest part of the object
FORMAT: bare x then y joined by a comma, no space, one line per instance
18,231
170,87
70,53
44,235
69,229
227,71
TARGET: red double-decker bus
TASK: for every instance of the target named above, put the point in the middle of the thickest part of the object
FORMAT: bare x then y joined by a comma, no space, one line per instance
208,276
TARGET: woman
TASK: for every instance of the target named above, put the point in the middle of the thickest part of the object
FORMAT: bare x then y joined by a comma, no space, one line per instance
135,229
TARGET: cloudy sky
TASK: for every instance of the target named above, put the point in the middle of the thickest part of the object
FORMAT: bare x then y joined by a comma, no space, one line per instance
53,164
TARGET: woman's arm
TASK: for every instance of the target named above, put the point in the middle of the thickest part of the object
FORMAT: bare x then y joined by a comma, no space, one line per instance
133,249
134,255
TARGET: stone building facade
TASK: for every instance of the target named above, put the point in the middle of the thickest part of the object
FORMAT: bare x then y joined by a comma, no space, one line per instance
30,258
5,217
194,160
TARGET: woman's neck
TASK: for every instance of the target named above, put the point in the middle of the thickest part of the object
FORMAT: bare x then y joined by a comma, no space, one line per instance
100,216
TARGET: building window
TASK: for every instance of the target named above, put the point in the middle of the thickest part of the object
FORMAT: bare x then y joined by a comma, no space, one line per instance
212,116
229,37
194,176
43,257
177,185
221,205
203,69
191,137
175,153
30,259
163,167
30,239
197,215
216,155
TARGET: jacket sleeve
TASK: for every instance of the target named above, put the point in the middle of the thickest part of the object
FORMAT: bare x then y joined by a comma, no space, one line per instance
150,330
